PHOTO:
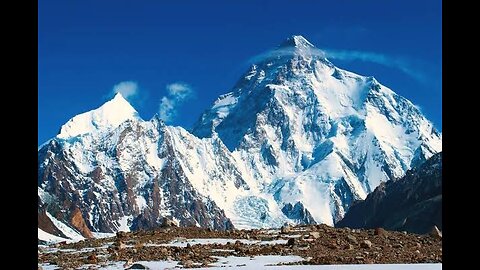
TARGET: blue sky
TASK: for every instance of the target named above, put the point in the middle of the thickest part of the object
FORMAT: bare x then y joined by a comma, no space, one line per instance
190,52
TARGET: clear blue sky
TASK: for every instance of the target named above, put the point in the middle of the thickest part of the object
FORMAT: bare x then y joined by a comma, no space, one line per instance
87,47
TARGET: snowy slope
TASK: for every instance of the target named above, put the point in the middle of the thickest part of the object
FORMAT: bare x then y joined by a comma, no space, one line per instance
296,140
306,131
108,116
50,238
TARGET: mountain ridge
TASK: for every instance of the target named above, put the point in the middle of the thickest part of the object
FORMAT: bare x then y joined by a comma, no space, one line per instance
412,203
296,140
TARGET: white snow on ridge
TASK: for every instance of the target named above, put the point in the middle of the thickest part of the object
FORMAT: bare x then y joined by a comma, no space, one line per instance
109,115
141,202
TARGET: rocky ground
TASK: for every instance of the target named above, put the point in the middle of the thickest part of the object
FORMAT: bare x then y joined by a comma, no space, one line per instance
317,244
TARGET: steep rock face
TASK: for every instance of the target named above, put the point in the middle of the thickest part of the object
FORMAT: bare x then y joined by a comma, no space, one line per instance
412,203
304,130
298,213
77,222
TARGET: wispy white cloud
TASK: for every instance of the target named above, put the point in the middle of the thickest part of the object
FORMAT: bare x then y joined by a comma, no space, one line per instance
408,66
178,93
128,89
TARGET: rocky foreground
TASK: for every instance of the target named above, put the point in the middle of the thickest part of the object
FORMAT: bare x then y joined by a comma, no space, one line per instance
196,247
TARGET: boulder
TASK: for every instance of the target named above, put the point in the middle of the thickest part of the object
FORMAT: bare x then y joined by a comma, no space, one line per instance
138,266
380,232
352,239
435,232
366,244
315,235
167,222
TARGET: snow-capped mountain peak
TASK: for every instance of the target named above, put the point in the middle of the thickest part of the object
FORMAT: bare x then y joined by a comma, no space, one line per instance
110,115
297,42
314,133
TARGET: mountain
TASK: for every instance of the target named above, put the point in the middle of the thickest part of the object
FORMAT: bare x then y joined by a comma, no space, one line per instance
123,172
412,203
304,130
296,140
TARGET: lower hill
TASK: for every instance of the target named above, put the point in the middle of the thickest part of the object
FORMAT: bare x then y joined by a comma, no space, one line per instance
412,203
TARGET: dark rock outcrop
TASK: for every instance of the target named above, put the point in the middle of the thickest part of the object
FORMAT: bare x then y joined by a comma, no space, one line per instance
412,203
298,213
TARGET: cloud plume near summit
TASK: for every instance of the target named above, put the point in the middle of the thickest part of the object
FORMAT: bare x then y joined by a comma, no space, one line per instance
128,89
406,65
178,93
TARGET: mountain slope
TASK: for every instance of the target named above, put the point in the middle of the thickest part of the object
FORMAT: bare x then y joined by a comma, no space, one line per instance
130,175
306,131
296,140
412,203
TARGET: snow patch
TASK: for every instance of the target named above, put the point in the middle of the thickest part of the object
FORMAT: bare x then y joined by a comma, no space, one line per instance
66,230
124,223
50,238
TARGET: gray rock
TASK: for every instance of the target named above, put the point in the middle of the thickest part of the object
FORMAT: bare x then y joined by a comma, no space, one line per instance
352,239
188,264
285,229
138,266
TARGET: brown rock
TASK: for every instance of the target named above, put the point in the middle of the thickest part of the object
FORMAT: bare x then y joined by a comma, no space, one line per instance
188,264
397,245
121,234
380,232
169,223
128,263
121,245
366,244
315,235
352,239
139,245
435,232
92,259
285,229
77,221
